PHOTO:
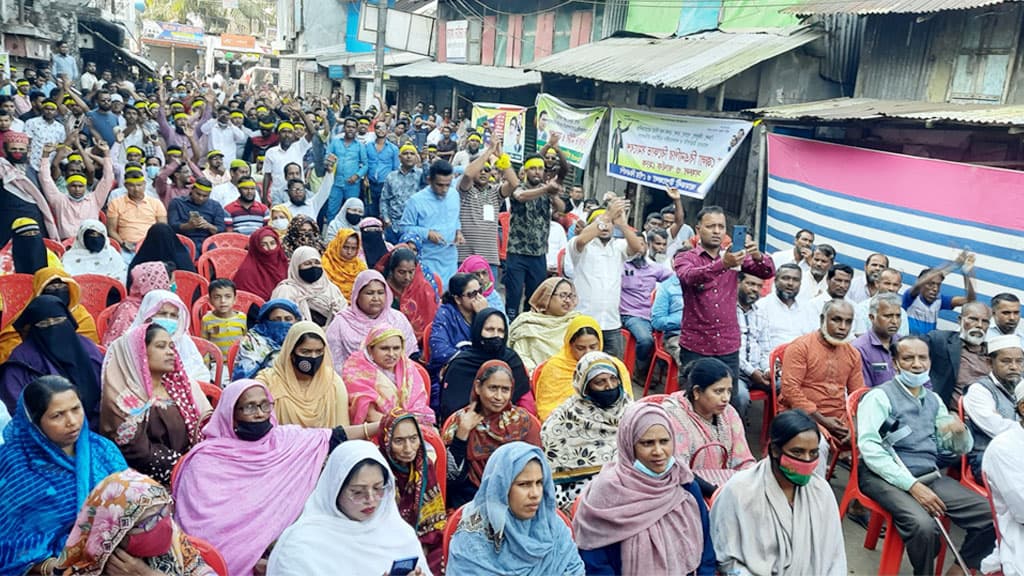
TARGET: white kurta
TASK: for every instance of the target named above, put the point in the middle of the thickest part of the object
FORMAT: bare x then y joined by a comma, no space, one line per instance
1003,465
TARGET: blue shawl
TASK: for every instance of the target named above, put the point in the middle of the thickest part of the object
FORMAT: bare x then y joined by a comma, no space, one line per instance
42,489
490,540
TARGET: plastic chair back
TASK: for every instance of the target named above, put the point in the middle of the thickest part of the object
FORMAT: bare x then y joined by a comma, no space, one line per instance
207,348
504,221
232,355
189,283
966,474
991,505
226,240
185,241
103,320
425,347
243,302
210,555
424,375
771,408
54,246
95,291
449,531
16,292
220,263
431,436
654,398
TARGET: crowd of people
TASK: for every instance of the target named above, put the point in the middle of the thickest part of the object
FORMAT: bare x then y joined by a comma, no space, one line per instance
413,378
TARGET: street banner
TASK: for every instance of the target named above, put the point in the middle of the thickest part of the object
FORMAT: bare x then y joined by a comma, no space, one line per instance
666,151
576,127
919,212
503,121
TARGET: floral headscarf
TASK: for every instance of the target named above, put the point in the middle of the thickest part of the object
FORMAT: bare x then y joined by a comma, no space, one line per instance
295,237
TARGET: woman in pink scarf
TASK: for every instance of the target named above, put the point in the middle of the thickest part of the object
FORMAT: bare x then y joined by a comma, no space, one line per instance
643,514
249,478
370,308
145,278
380,378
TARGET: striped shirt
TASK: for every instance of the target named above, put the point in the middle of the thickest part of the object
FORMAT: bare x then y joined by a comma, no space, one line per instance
246,220
224,332
479,215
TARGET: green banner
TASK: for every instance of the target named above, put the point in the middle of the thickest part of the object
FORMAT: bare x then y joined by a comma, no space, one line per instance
576,127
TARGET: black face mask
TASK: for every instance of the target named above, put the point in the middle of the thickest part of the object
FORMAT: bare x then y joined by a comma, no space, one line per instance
492,345
310,275
62,292
252,431
307,364
94,242
605,398
353,219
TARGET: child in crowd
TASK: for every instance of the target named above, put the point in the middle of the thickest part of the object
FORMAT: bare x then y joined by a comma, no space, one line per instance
223,325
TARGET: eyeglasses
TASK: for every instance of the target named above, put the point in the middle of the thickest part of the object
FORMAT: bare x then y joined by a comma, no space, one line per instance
471,295
149,523
565,295
365,494
252,409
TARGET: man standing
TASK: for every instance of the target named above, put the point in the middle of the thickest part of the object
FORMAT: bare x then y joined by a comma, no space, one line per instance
382,159
19,197
246,214
195,215
837,285
709,279
865,285
901,427
754,343
43,130
480,202
352,167
1006,316
800,253
924,300
433,215
88,80
598,267
989,407
223,135
472,151
64,63
816,283
641,276
787,317
275,182
398,187
526,262
884,312
889,282
959,358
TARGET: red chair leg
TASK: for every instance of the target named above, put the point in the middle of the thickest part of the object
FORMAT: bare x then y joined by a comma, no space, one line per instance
875,525
892,554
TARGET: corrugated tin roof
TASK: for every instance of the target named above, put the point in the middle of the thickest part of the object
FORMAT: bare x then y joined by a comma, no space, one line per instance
391,58
698,61
841,109
863,7
489,76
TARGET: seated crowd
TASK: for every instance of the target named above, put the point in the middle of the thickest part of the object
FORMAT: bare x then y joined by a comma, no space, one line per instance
306,352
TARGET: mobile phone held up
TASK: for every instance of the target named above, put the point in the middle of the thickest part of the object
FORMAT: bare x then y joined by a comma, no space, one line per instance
403,567
739,238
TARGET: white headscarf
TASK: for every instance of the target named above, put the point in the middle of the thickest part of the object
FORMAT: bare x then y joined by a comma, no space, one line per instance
106,262
323,534
190,356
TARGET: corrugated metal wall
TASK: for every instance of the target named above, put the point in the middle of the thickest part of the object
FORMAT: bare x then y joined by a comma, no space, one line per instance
894,59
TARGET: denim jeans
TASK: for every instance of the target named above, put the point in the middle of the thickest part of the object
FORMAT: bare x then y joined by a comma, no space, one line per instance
641,330
613,344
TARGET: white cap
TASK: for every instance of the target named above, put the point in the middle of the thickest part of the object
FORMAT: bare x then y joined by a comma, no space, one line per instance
116,98
1002,342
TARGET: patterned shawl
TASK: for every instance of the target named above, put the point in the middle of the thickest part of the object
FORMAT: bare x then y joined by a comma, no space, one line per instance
346,333
146,277
295,238
419,301
369,385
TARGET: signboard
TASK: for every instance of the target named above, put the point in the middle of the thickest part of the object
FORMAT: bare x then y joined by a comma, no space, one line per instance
238,41
405,30
576,127
335,72
172,33
665,151
503,121
909,208
362,70
456,34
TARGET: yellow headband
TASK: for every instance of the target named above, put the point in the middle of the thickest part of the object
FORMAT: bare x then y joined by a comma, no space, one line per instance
180,115
76,179
364,121
593,215
266,124
285,126
476,137
134,179
247,184
75,157
174,152
534,163
49,105
133,150
201,186
407,148
213,153
236,114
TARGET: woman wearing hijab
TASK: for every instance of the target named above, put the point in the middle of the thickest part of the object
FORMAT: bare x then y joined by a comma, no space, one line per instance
554,384
150,407
413,241
302,231
280,218
250,476
342,262
265,264
798,526
51,346
162,245
28,251
702,415
371,307
478,267
319,300
92,253
474,432
644,514
126,525
414,297
381,378
579,435
487,338
452,326
260,345
307,390
348,218
165,308
371,236
49,462
350,523
419,497
511,526
537,335
54,282
146,278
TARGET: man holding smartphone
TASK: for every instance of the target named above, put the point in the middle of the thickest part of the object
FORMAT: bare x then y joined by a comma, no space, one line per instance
708,277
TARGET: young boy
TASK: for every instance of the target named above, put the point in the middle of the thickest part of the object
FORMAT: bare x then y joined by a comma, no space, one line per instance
223,325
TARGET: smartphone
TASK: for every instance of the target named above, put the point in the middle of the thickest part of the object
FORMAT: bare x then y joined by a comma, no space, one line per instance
403,567
739,237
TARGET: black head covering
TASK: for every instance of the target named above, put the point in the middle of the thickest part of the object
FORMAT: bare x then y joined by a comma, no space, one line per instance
374,247
61,345
28,252
462,368
162,245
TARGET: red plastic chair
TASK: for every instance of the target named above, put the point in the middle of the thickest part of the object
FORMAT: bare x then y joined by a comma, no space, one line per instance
991,505
54,246
210,555
424,375
629,350
672,374
95,291
535,377
207,348
212,393
892,549
243,302
103,320
771,408
226,240
560,259
220,263
453,525
425,345
16,292
966,474
431,436
232,355
654,398
187,283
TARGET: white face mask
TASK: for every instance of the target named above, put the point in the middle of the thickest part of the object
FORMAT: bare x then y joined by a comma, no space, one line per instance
279,223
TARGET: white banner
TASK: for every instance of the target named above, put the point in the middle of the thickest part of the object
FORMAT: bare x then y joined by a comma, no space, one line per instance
456,34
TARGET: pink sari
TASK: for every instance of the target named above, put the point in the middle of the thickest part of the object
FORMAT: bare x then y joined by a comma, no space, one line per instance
370,385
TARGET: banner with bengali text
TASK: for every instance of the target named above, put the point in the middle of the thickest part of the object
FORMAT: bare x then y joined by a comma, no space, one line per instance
504,121
576,127
666,151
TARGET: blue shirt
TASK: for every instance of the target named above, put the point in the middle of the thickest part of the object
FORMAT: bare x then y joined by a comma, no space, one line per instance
426,211
667,312
924,317
351,160
382,163
178,212
104,123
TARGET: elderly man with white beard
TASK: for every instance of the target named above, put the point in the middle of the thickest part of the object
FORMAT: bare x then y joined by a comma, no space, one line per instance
959,357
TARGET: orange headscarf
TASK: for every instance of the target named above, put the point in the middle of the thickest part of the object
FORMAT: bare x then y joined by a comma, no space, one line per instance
342,272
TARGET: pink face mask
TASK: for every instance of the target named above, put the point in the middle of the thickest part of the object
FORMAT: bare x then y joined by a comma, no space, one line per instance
155,542
798,472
